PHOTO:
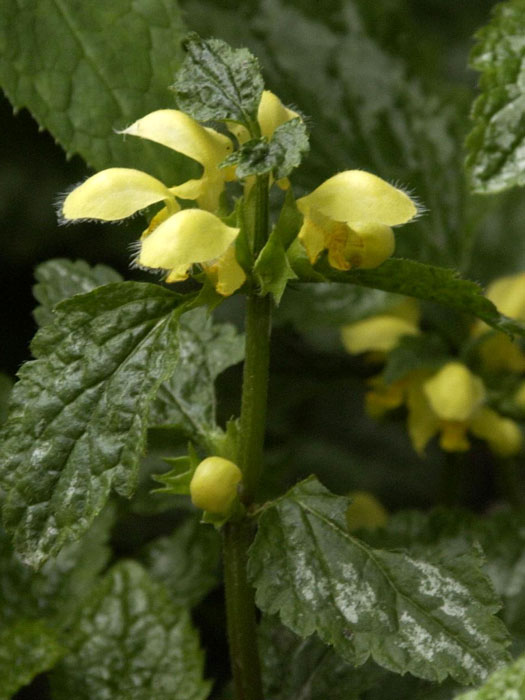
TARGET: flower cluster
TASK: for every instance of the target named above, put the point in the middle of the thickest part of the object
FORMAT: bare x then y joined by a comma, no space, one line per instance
349,216
449,401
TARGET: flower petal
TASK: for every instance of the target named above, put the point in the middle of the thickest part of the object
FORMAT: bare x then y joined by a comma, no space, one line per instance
378,333
180,132
226,273
272,113
454,393
114,194
508,294
422,423
358,196
502,434
189,236
373,244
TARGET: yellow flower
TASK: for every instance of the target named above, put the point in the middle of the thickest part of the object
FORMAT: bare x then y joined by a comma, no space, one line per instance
365,511
350,215
175,239
381,333
497,351
451,403
270,114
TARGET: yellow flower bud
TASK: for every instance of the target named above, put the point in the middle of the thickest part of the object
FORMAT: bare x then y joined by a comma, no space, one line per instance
454,393
365,511
214,485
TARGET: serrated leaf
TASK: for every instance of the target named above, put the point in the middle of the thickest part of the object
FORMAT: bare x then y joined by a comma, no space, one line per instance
27,648
131,643
496,143
415,352
506,684
282,154
430,283
60,279
6,386
187,399
60,587
82,80
77,421
431,618
186,562
218,82
305,668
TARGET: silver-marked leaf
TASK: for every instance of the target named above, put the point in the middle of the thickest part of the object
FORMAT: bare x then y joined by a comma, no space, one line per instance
218,82
131,643
27,648
57,590
77,421
497,141
60,279
431,618
186,562
82,80
506,684
187,399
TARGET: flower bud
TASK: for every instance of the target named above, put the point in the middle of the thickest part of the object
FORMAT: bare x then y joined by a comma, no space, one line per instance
214,485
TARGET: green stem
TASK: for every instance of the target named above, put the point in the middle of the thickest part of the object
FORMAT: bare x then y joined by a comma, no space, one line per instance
237,534
240,613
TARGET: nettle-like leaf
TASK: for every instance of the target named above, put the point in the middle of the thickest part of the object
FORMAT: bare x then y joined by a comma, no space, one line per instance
187,562
305,668
56,591
496,143
430,283
81,79
430,617
6,386
131,643
60,279
187,399
282,154
27,648
218,82
506,684
77,421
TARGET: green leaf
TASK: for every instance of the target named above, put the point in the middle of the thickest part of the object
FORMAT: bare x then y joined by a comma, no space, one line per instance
85,70
6,386
60,279
59,588
218,82
186,562
187,399
437,284
282,154
272,269
414,352
77,421
26,649
506,684
305,668
430,616
131,643
496,143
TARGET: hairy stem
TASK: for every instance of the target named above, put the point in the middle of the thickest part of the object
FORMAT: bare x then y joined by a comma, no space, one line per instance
237,534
